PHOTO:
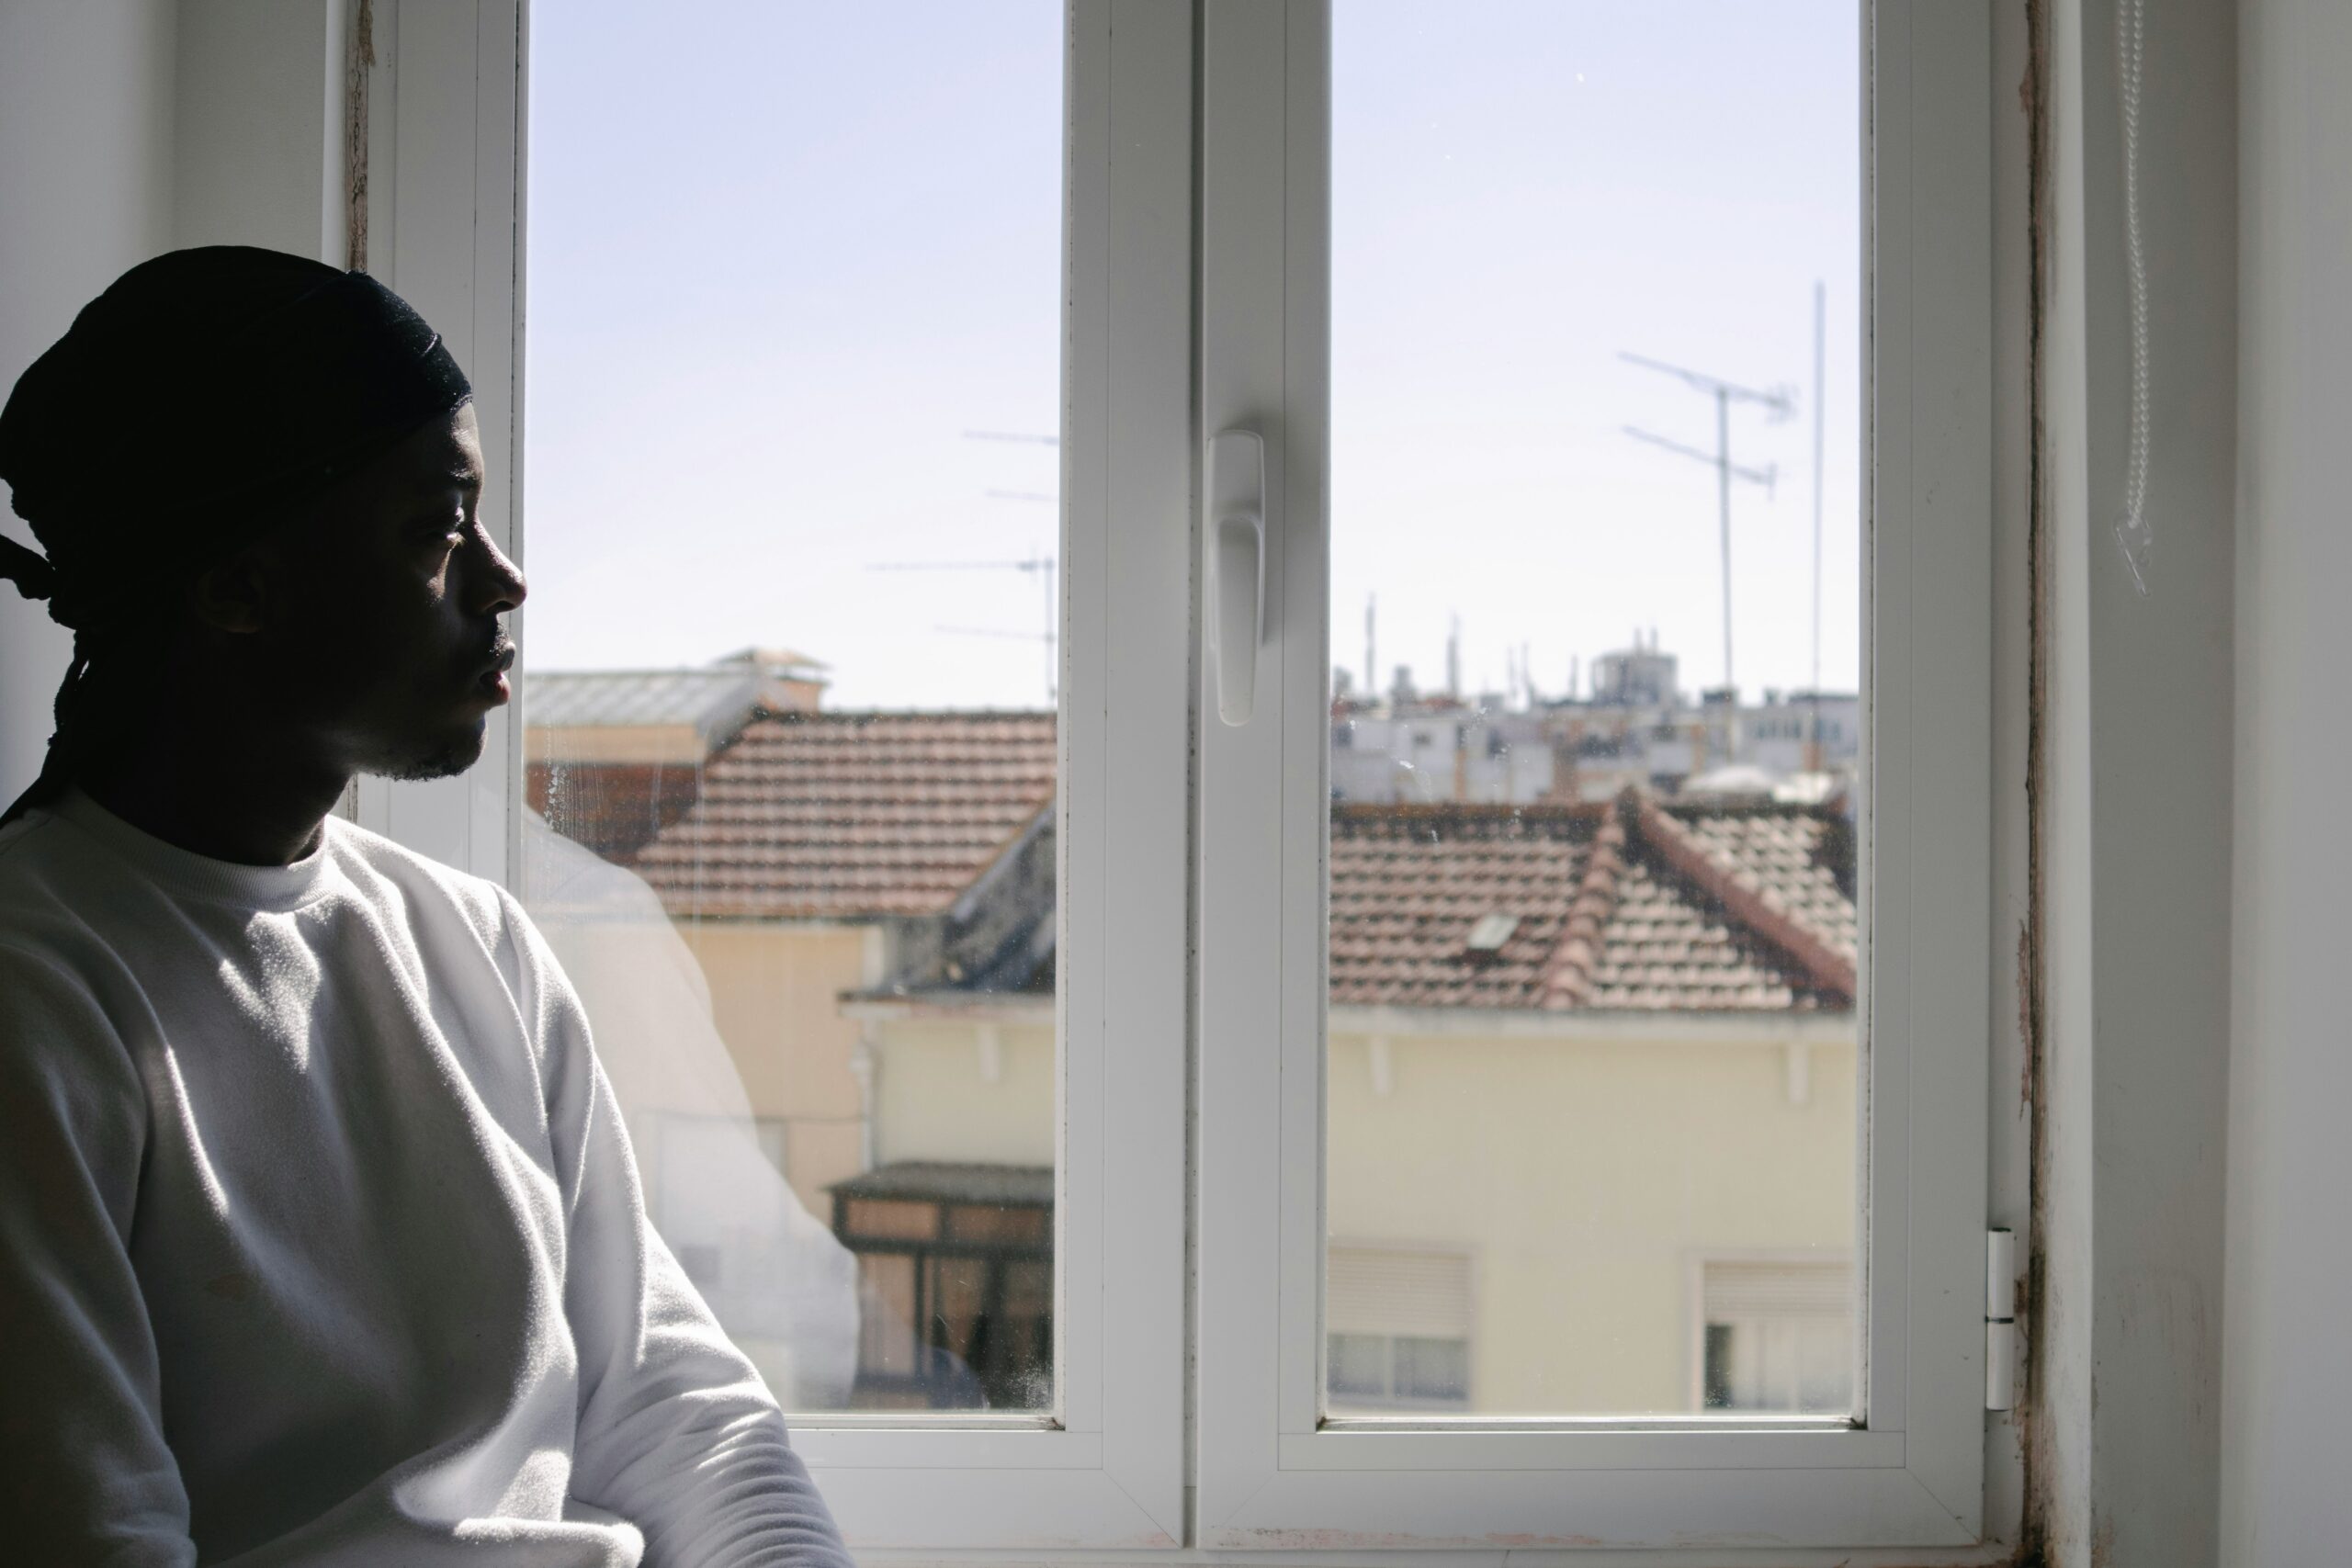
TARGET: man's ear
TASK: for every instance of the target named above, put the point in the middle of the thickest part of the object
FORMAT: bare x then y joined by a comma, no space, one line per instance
234,596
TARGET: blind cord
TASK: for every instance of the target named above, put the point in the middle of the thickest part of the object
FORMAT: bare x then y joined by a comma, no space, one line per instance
2132,531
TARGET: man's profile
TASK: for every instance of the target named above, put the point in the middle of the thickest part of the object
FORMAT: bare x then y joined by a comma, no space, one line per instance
320,1238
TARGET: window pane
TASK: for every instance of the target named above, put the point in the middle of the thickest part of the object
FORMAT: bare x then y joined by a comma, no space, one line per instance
790,654
1595,770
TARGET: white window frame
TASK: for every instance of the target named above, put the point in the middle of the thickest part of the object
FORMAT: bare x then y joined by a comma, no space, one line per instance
445,159
1106,1469
1909,1472
1122,1463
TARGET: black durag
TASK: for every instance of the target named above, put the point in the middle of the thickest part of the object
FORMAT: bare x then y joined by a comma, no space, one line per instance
192,408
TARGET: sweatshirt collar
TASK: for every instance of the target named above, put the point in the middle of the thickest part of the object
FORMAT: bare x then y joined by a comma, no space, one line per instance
182,871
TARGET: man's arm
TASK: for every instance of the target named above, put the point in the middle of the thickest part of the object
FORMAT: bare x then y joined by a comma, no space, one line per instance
84,1475
677,1434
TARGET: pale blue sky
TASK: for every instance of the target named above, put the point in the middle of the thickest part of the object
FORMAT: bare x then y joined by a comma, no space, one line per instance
784,254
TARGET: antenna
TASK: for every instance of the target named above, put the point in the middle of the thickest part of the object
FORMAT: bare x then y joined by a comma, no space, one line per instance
1780,403
1023,436
1371,664
1812,738
1042,565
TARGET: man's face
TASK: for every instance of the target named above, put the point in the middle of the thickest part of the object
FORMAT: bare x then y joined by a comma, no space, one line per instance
381,634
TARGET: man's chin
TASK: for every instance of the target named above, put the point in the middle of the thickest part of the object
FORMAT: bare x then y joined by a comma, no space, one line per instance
453,755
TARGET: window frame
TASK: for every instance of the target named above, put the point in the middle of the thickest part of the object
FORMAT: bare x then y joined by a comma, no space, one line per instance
1126,1463
1105,1470
1909,1472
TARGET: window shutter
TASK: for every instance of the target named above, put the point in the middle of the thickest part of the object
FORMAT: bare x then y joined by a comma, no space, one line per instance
1407,1293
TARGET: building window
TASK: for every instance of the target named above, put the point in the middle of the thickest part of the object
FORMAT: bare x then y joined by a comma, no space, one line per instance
1777,1335
1399,1325
1390,1371
956,1284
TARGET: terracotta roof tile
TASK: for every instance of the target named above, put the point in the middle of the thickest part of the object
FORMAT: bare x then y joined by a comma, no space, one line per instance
1623,905
854,816
1608,918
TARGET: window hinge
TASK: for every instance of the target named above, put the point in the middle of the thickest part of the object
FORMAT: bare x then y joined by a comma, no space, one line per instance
2000,1318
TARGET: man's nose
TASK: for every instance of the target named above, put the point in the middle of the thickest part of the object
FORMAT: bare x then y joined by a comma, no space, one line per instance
496,582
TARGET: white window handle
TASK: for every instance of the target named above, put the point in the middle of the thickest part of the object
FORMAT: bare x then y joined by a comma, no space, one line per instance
1237,546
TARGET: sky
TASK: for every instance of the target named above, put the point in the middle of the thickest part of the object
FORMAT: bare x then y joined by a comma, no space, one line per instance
783,257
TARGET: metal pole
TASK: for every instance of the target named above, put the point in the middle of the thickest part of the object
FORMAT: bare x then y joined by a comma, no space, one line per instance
1813,760
1053,628
1723,493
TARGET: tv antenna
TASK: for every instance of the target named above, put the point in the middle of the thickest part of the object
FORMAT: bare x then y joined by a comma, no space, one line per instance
1780,403
1041,565
1023,437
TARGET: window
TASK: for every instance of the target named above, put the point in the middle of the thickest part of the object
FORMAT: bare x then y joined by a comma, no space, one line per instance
857,802
1435,292
1399,1326
827,832
1422,1314
1776,1334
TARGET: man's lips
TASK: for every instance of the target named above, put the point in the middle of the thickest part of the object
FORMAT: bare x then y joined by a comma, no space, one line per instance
493,680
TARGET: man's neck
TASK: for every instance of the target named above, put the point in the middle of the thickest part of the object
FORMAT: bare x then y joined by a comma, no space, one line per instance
250,799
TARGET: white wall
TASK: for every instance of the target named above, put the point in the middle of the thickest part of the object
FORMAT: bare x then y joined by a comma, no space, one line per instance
2287,1366
128,128
86,95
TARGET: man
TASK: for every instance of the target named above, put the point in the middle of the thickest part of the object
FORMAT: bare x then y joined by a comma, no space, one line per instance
320,1238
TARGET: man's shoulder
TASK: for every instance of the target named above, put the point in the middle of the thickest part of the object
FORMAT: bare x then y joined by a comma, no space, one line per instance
372,861
40,858
49,952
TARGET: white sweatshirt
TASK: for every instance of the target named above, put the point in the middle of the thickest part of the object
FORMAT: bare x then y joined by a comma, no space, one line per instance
321,1242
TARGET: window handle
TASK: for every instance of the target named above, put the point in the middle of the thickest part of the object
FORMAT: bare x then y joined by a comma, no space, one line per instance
1237,513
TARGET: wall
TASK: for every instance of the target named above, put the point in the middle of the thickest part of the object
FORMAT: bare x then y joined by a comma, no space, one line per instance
1585,1169
2287,1373
259,132
86,95
941,1093
776,994
1586,1177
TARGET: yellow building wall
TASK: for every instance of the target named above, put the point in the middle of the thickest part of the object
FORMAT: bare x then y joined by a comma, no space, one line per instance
1585,1180
776,994
936,1099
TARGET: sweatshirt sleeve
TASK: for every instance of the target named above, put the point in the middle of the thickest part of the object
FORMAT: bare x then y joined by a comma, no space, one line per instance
676,1432
85,1475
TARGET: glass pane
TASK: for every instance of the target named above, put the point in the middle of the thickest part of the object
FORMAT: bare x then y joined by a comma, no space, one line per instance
1596,491
790,708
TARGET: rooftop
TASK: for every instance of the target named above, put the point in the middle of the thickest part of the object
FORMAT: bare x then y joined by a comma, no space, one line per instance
1632,905
854,816
1627,905
715,698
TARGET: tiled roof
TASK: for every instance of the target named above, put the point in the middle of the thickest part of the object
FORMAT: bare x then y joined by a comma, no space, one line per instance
1408,883
1626,907
851,815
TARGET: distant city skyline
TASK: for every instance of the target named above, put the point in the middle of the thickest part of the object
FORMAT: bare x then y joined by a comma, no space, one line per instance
769,300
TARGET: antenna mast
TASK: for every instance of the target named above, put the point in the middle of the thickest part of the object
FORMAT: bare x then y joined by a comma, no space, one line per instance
1780,403
1813,726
